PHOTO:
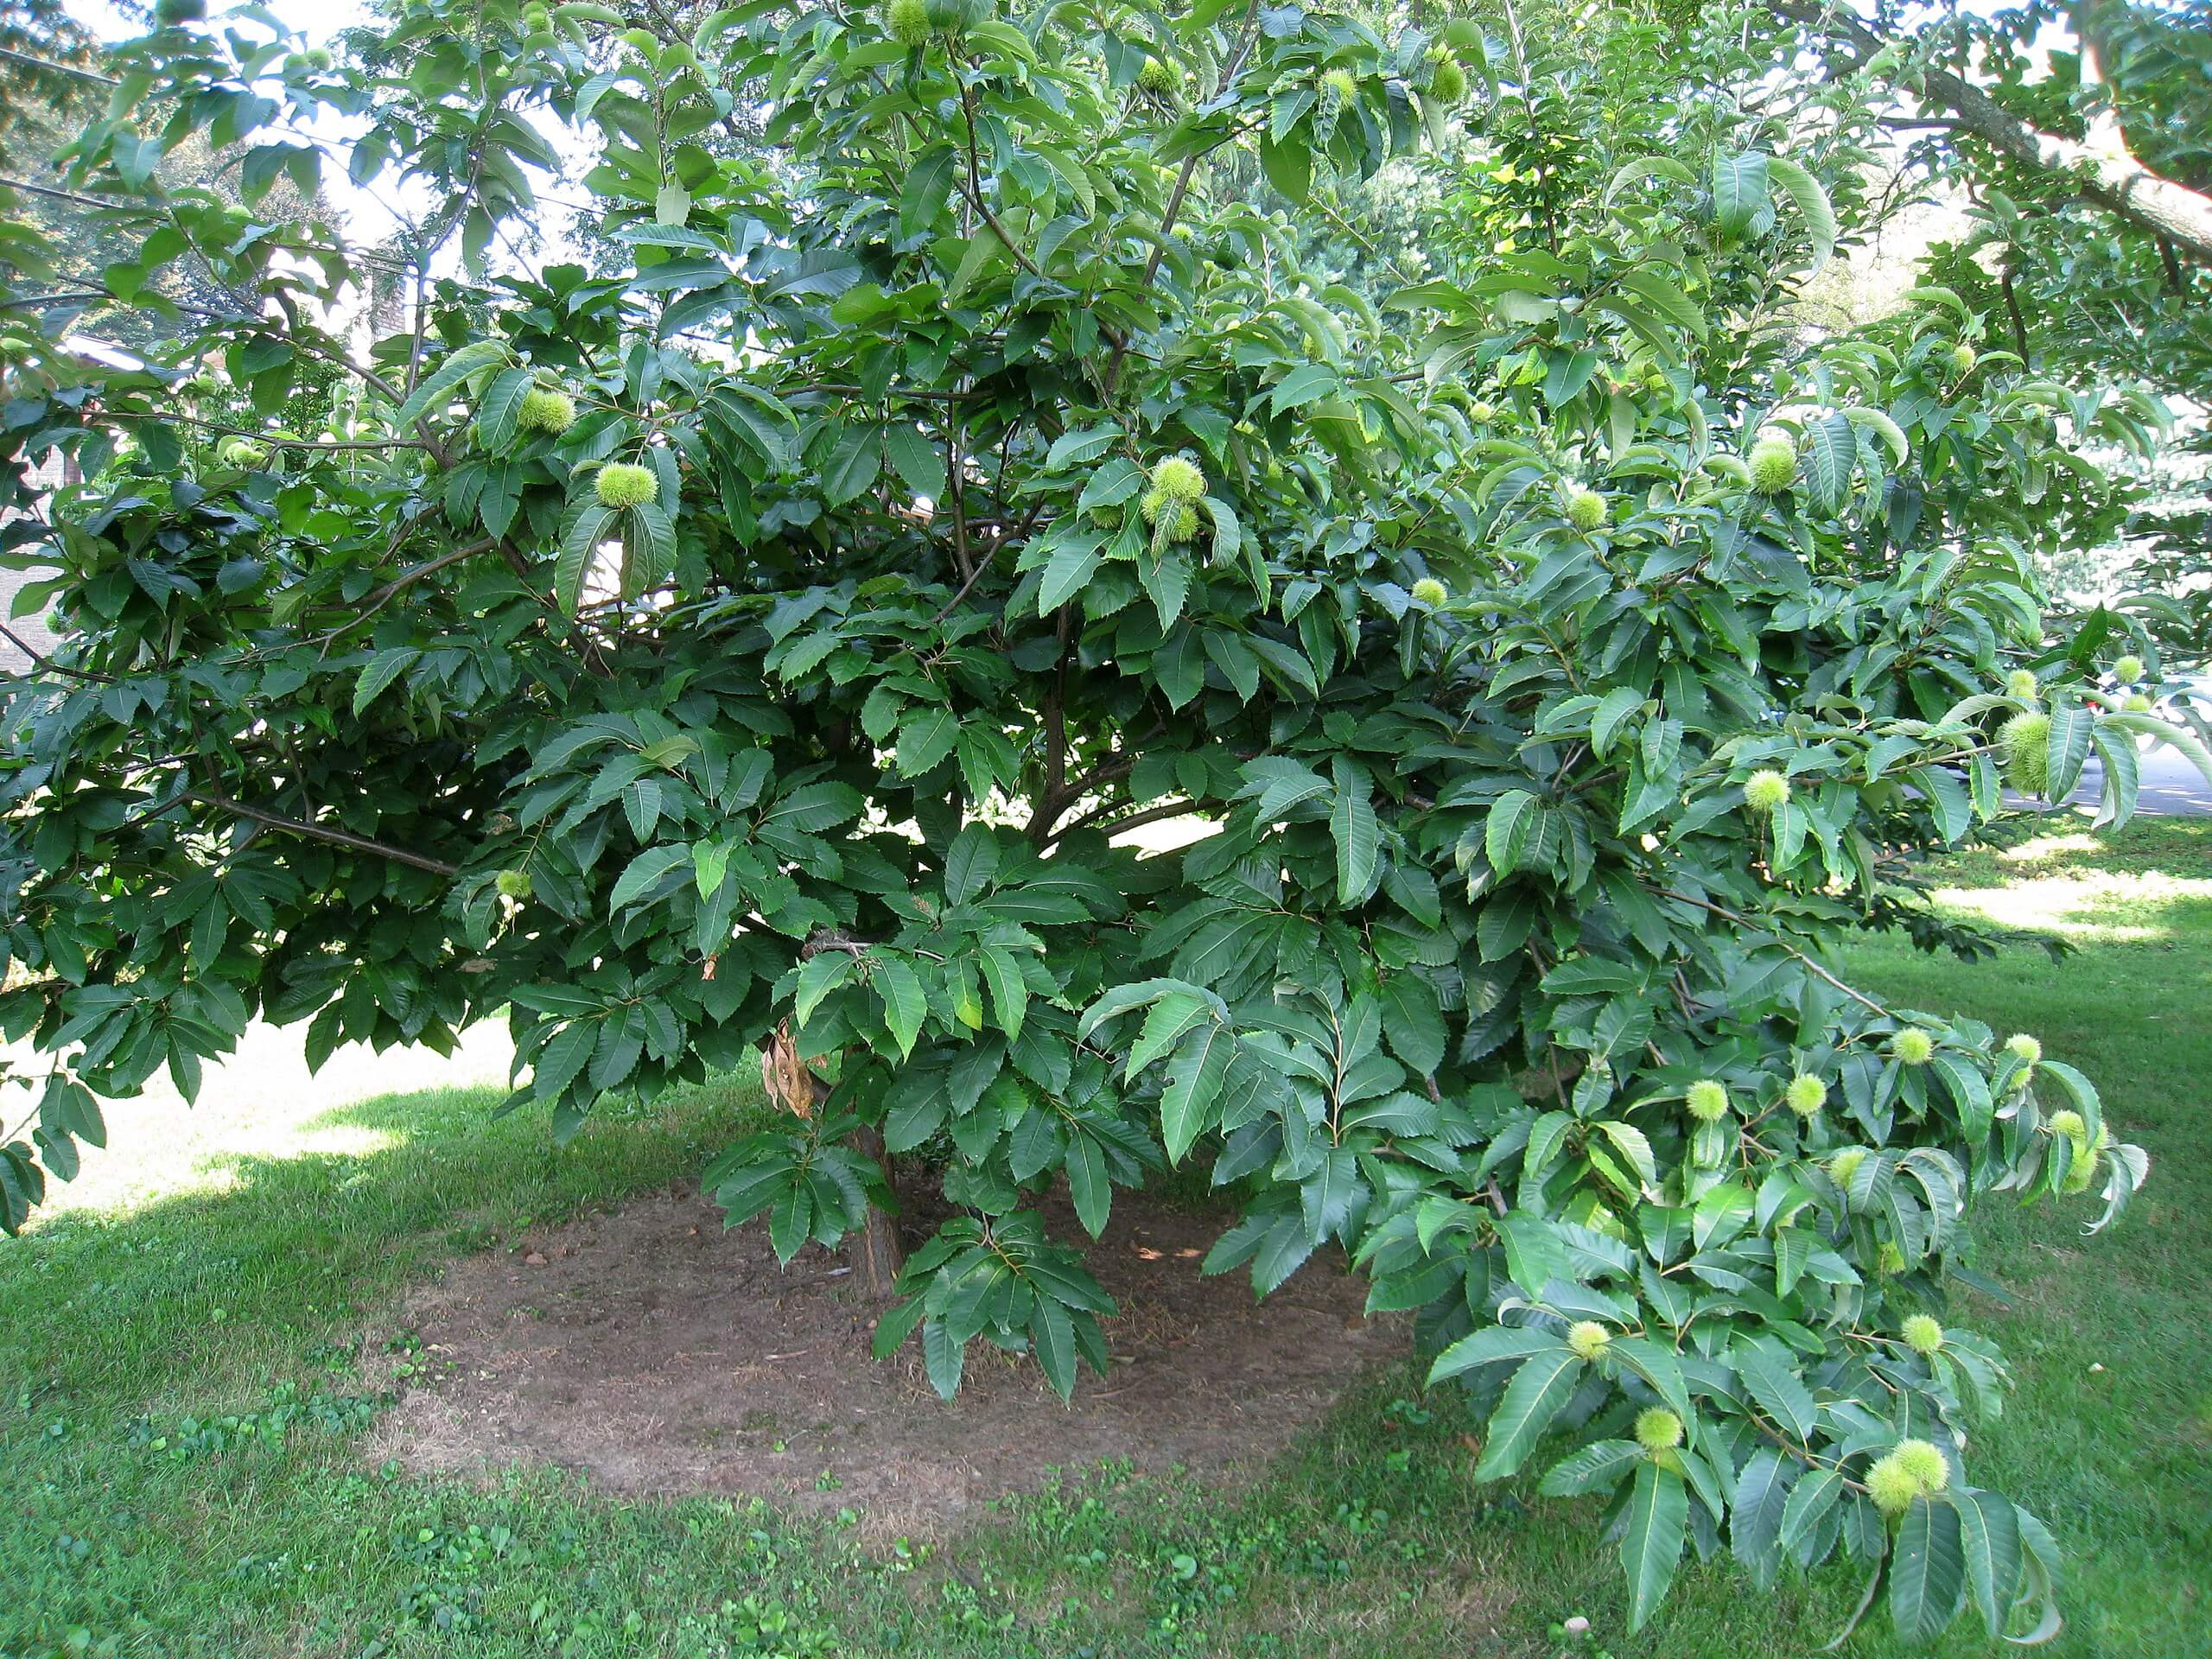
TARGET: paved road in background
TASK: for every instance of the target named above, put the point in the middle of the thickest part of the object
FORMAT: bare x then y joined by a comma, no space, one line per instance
2168,785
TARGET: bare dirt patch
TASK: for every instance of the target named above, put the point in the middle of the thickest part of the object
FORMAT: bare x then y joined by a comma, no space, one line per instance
657,1352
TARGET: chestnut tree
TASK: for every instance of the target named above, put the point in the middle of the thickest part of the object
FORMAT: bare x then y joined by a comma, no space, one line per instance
754,651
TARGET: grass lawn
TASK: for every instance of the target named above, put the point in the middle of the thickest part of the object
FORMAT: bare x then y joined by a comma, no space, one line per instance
184,1402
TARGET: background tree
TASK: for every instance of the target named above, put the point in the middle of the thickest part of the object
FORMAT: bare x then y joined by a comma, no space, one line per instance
755,655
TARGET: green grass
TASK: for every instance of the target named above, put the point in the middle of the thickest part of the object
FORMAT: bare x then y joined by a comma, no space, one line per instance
183,1431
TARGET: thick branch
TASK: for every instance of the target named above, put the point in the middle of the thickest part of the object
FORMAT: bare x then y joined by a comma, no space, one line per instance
1098,818
323,832
2103,171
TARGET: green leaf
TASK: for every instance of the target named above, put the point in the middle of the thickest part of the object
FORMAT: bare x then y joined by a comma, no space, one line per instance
2071,725
1074,562
646,869
1510,831
818,976
1740,197
382,669
920,463
1491,1344
1605,719
944,1356
1412,1021
1656,1364
1892,437
1776,1388
791,1223
925,737
563,1058
896,1326
1594,1468
904,1004
1289,165
1989,1530
438,385
579,546
971,862
1532,1399
1194,1079
1827,460
1305,384
1927,1570
1080,448
1088,1183
1010,990
1647,166
1351,823
1051,1333
651,552
1811,201
1809,1502
812,808
1651,1539
854,465
1658,291
496,412
1755,1514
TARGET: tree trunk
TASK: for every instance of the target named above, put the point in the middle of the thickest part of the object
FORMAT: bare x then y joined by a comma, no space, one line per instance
881,1254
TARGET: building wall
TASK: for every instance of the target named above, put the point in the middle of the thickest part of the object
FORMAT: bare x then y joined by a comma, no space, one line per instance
50,473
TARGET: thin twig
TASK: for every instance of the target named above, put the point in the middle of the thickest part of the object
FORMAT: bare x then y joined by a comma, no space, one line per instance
50,664
1727,914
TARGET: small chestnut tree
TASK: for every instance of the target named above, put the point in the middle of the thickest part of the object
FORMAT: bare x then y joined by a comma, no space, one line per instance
753,650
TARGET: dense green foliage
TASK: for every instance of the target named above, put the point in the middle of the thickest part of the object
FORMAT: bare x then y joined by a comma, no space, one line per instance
764,646
182,1471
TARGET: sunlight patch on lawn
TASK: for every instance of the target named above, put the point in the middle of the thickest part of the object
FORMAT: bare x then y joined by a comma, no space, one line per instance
2044,847
263,1102
2091,905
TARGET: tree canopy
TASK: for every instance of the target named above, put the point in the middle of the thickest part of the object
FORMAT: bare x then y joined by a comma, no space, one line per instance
757,653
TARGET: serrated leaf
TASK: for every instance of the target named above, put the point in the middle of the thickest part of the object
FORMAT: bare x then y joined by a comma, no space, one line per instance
579,546
1074,562
854,466
439,383
1510,829
1051,1333
1352,825
1809,1502
1927,1570
1827,460
1776,1389
1755,1514
1194,1080
1010,990
925,737
944,1357
1989,1533
1490,1345
1542,1385
381,670
1811,200
918,463
498,410
643,871
817,976
1651,1538
1593,1468
904,1004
